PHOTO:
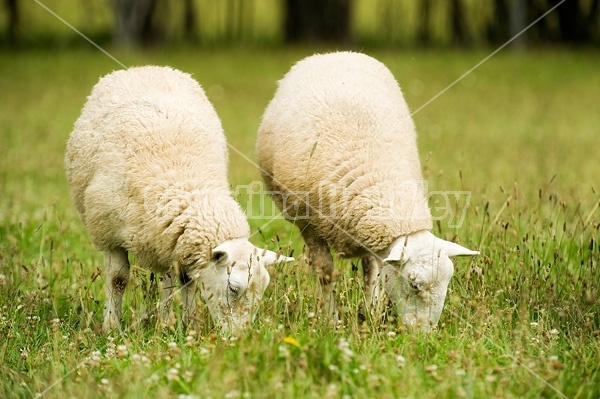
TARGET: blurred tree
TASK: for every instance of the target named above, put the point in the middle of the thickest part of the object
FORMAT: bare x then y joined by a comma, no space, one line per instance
518,22
317,20
189,21
423,32
458,24
134,21
12,28
575,27
497,28
239,13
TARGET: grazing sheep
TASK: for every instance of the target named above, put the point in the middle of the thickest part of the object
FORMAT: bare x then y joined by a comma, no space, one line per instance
338,144
147,167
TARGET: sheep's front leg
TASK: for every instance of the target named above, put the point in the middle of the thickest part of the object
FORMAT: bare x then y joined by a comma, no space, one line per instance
166,315
117,277
370,267
322,263
188,297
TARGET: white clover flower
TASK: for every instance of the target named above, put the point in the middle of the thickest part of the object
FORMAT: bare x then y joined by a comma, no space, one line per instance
173,374
344,347
232,394
400,360
204,351
332,391
431,369
121,351
110,353
283,351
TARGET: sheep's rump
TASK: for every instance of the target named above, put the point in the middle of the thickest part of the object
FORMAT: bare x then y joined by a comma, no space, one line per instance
147,147
338,135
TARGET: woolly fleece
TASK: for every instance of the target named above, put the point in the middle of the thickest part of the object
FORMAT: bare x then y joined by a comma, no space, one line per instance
339,132
147,165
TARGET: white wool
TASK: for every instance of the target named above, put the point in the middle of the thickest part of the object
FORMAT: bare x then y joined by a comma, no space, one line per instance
147,164
339,132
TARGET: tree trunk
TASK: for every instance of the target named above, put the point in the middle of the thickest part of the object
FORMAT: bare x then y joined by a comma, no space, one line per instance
189,21
518,21
12,30
458,23
572,23
134,21
497,30
423,34
317,20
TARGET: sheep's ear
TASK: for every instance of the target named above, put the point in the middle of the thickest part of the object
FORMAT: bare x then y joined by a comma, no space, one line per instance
398,253
220,254
453,249
270,257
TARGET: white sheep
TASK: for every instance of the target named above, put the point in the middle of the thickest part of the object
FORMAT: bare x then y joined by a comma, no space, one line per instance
337,143
147,166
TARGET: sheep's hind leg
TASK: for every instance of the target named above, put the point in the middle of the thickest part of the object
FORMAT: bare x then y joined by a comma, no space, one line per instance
117,277
322,263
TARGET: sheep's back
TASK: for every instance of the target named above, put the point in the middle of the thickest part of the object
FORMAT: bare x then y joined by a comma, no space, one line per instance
141,131
339,131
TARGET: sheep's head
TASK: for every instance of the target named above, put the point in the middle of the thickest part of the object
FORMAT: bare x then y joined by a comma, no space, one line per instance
233,282
416,274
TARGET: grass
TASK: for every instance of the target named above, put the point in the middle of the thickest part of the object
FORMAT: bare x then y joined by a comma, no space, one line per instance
521,320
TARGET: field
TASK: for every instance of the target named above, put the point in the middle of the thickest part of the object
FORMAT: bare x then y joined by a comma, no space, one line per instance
522,320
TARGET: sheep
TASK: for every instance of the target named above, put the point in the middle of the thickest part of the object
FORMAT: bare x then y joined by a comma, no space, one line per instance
147,167
338,146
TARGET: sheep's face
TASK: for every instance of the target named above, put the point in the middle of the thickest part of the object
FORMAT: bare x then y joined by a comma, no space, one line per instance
234,281
416,275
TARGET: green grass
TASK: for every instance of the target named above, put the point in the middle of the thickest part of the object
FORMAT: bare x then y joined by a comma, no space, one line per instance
521,134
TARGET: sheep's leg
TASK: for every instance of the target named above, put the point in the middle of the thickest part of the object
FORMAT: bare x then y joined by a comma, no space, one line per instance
322,263
166,315
117,277
188,297
370,267
375,300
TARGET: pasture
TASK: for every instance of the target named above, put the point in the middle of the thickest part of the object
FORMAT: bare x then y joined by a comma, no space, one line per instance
522,320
